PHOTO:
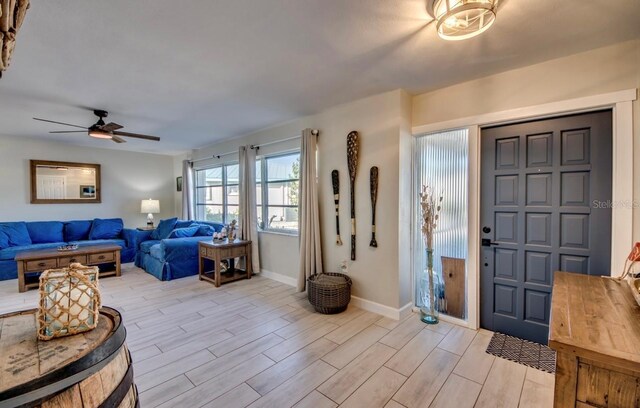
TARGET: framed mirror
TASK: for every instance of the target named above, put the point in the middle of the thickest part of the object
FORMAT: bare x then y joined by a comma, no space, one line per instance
54,182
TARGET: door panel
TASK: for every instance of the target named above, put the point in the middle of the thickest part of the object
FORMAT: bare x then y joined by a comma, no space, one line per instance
539,180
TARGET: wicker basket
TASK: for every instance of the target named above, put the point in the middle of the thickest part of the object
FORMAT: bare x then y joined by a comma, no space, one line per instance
329,292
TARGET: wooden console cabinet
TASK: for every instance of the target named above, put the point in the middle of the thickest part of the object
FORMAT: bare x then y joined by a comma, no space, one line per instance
595,330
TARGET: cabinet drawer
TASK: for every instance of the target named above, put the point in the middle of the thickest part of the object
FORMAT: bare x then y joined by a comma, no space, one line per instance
68,260
41,265
237,251
203,251
102,258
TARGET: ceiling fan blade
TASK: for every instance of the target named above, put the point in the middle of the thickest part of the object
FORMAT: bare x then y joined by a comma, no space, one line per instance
110,127
118,139
60,123
69,131
137,136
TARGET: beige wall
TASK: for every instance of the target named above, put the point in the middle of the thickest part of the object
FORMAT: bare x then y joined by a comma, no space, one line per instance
381,120
127,178
594,72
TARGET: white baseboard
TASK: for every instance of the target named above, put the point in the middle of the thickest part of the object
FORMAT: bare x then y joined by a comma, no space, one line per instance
287,280
380,309
365,304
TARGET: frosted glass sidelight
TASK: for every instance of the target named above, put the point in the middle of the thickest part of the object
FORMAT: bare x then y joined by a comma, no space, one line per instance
442,163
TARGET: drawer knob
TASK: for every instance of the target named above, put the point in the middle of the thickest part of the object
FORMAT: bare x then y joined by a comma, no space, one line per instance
42,264
101,257
73,260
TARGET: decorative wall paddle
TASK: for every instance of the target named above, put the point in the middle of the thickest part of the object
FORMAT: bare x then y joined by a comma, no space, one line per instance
373,184
335,180
352,162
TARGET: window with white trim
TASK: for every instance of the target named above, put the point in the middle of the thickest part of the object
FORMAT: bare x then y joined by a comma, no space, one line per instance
277,191
217,194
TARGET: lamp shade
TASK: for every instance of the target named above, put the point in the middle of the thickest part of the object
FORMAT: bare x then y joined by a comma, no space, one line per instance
150,206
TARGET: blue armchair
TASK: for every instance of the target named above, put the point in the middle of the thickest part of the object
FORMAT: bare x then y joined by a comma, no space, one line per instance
172,258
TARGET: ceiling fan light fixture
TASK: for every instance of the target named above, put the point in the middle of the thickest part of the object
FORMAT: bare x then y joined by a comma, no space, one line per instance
461,19
99,134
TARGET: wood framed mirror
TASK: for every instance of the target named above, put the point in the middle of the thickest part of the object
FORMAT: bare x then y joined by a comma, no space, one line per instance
54,182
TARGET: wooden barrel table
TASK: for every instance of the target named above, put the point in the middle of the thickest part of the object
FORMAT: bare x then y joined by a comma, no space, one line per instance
91,369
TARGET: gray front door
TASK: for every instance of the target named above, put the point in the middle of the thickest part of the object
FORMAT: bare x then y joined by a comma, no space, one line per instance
545,206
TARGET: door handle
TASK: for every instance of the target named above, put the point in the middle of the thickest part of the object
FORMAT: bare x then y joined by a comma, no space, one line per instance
486,242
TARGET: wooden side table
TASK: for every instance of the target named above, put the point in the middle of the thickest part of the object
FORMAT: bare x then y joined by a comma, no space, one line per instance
217,252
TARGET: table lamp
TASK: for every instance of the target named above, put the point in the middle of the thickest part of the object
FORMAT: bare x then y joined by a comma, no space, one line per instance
150,207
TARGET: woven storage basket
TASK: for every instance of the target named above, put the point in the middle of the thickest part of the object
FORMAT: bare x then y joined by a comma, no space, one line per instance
329,292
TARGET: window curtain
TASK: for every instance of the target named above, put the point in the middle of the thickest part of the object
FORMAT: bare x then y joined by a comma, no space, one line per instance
188,191
248,209
310,244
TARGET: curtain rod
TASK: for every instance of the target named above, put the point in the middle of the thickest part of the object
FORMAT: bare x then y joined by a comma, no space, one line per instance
217,156
313,132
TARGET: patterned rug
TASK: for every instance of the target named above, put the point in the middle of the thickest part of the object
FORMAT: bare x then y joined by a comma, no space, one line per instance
523,352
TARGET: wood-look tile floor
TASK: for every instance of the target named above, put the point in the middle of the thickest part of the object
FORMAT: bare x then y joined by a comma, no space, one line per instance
258,343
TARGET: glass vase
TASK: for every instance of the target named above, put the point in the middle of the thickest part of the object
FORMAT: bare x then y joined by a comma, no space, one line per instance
429,292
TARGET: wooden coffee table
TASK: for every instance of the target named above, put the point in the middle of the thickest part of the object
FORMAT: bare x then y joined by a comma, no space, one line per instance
220,251
40,260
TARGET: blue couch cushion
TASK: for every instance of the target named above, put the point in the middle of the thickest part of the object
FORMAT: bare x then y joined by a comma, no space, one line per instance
77,230
106,228
100,242
183,224
11,252
17,233
164,228
157,252
145,246
4,240
205,230
184,232
45,231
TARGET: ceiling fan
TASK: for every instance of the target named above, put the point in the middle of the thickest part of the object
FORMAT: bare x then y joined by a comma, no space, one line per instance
101,130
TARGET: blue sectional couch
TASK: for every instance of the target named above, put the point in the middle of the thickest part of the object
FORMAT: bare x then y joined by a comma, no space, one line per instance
17,237
171,251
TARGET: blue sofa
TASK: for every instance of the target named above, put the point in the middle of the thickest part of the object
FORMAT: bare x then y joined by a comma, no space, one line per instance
16,237
176,257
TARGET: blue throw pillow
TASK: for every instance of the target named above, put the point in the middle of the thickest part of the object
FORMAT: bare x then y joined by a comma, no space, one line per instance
205,231
164,228
106,228
4,240
77,230
183,224
45,231
183,232
17,233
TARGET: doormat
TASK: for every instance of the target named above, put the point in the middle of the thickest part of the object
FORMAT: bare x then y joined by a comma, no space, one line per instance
523,352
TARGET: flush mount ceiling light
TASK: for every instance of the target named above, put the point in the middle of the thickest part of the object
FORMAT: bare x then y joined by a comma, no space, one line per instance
462,19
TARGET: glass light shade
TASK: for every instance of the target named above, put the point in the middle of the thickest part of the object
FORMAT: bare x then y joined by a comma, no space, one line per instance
150,206
462,19
98,134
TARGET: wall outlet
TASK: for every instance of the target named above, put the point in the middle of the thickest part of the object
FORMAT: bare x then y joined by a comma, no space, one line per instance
344,267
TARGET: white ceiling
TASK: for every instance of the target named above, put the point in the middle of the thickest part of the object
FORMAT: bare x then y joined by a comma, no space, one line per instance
198,71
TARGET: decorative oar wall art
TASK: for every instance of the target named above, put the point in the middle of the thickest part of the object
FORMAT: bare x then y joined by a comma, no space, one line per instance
335,180
352,162
373,184
12,13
